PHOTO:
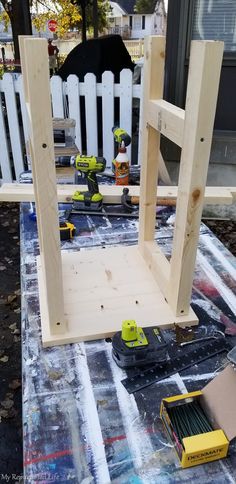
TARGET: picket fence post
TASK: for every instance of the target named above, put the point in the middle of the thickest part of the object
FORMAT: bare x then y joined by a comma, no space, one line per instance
4,156
108,107
57,97
13,123
126,99
91,114
73,92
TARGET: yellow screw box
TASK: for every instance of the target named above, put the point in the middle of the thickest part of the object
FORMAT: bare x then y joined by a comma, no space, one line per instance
218,401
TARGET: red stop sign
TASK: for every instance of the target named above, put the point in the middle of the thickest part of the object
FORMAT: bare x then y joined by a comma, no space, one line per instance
52,25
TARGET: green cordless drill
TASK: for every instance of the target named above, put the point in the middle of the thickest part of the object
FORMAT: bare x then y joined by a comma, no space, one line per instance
122,138
91,199
121,135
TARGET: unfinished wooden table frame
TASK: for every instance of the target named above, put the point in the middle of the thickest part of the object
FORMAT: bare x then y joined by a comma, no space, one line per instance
86,295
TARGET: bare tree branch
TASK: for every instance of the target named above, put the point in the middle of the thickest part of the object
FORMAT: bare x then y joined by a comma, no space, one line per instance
5,5
46,6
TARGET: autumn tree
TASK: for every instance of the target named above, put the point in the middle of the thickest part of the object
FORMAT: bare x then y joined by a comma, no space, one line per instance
95,18
145,6
65,12
85,10
69,14
95,15
80,14
17,12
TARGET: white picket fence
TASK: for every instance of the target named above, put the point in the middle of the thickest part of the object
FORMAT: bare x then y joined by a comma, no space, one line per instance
66,100
135,48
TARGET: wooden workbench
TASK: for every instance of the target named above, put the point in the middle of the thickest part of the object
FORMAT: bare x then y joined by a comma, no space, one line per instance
80,424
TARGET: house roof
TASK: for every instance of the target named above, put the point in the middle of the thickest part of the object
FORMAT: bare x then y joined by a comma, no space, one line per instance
128,6
116,10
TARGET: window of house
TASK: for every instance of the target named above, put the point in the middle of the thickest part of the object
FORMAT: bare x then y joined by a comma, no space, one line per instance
137,22
143,22
131,22
215,20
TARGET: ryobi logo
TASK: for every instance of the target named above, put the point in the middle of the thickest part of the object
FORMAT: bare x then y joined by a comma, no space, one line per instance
82,163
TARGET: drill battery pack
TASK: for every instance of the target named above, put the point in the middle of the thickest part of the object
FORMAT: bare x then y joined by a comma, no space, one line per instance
86,205
149,347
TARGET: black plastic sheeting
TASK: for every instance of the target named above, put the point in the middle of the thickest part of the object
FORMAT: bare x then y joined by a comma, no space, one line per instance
106,53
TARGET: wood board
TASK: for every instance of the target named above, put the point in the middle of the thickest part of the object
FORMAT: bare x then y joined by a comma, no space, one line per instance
63,123
102,287
24,192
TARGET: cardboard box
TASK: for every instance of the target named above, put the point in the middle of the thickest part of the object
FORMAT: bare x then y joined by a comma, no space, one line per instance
218,400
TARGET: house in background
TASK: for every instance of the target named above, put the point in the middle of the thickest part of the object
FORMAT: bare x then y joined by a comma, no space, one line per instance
123,19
